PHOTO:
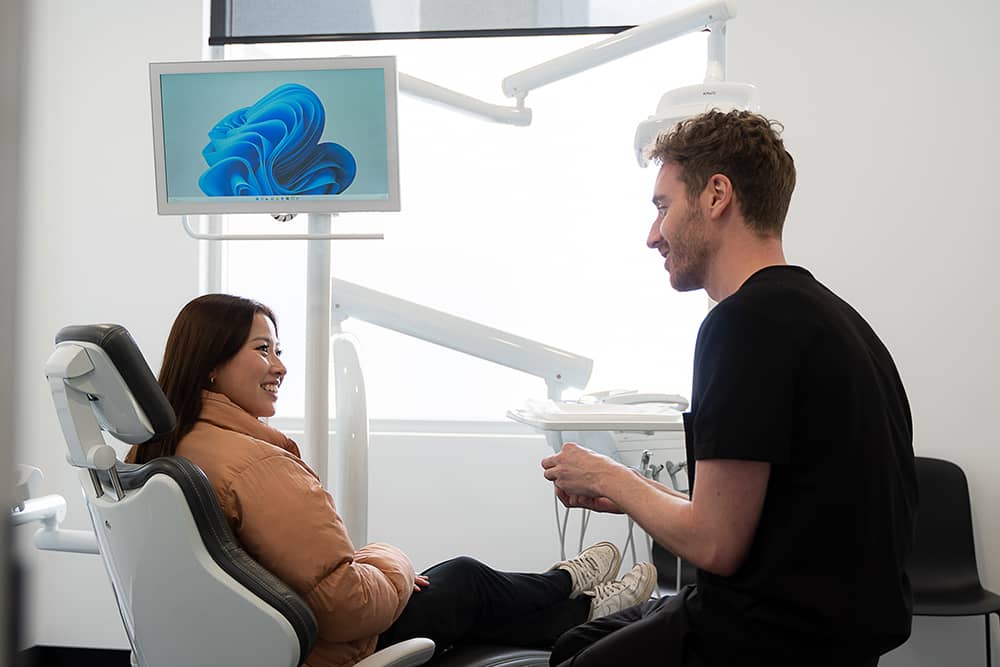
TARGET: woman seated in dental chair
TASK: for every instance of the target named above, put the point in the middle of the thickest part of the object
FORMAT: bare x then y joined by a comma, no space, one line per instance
221,373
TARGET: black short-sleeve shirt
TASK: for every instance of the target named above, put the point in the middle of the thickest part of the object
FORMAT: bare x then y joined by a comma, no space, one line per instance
787,372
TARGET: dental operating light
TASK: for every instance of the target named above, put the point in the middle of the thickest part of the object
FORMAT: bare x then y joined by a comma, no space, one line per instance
674,106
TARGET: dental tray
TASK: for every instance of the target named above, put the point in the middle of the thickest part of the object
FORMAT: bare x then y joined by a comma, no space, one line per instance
570,416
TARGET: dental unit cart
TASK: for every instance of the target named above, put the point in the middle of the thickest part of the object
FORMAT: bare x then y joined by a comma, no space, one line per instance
642,431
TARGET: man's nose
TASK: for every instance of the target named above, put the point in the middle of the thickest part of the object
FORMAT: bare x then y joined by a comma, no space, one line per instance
655,238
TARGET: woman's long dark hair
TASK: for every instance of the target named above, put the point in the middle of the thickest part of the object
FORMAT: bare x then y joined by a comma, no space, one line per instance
207,333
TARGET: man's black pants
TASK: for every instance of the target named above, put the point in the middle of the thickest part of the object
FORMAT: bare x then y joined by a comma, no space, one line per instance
657,632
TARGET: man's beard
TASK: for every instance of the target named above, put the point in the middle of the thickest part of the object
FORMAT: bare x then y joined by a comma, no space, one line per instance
689,254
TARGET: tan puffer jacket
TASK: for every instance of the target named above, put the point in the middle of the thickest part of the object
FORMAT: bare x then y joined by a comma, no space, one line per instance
288,523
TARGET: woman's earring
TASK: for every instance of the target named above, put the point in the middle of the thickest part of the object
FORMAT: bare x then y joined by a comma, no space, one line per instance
211,379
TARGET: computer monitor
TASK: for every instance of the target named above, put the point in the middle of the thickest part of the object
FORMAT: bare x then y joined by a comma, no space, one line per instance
275,136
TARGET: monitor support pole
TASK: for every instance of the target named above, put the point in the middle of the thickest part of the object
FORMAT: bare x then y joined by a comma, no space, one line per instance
317,357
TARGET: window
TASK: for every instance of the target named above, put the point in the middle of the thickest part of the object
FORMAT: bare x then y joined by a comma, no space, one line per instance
536,230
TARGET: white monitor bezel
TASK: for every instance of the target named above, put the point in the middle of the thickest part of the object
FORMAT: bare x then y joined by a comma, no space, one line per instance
225,205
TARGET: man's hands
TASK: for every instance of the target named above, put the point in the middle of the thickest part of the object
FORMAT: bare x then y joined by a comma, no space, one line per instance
712,530
580,477
599,504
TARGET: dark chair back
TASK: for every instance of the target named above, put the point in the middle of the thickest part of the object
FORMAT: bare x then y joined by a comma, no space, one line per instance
944,555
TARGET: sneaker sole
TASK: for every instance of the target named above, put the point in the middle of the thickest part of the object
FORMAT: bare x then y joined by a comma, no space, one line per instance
649,574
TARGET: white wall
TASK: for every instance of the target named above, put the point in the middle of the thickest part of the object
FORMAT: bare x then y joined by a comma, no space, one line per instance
894,210
891,113
10,126
92,248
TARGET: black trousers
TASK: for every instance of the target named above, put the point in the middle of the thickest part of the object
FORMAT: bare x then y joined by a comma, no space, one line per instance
638,635
657,632
469,602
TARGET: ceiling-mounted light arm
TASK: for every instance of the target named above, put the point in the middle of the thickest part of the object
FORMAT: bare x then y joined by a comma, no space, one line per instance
697,17
712,15
518,115
716,68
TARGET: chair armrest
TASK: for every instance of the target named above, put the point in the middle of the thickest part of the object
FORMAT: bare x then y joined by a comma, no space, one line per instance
410,653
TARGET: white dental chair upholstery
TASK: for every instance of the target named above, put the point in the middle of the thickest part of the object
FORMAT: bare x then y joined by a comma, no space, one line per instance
187,592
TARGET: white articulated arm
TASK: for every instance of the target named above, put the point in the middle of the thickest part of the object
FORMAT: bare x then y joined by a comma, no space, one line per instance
50,511
558,368
709,14
657,31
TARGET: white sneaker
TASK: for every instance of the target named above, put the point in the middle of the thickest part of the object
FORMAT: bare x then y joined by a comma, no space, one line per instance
595,565
633,588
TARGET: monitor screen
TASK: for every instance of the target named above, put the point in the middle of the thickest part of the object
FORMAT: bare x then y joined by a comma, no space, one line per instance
275,136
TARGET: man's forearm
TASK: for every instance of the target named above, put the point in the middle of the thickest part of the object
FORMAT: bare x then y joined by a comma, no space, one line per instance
664,513
715,528
663,487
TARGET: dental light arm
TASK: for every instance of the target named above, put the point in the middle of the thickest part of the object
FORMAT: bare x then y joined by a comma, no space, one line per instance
558,368
697,17
712,15
518,115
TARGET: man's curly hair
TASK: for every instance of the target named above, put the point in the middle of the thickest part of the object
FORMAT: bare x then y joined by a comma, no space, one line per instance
746,148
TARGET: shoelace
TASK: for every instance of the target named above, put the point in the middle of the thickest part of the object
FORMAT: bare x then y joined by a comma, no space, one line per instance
609,588
590,562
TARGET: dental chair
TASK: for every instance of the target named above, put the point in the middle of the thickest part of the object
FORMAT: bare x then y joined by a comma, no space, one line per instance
187,592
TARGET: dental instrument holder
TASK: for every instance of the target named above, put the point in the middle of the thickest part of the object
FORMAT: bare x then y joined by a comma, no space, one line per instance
329,302
554,426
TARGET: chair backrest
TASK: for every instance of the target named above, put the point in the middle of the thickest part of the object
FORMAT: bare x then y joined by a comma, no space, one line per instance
944,554
187,592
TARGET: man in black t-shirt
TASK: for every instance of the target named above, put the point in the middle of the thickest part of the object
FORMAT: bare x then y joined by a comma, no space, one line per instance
799,440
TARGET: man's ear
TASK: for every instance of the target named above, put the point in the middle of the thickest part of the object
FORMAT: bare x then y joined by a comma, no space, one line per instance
718,195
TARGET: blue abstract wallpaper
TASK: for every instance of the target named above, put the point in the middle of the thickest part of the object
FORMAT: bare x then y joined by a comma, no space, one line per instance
275,133
273,148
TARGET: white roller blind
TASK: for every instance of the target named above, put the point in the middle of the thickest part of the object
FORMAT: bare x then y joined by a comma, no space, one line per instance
291,20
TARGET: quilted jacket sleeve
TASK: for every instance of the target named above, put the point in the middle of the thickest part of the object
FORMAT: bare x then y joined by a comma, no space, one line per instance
288,523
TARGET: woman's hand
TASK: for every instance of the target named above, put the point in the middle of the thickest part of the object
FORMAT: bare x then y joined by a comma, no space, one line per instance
419,582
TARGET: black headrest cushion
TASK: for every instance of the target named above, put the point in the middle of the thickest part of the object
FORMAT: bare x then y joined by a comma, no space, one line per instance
117,343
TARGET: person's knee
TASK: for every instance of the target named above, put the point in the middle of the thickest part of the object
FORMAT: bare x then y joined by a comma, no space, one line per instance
569,644
466,562
460,568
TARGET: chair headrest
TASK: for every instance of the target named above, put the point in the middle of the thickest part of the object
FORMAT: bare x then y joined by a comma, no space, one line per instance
123,355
